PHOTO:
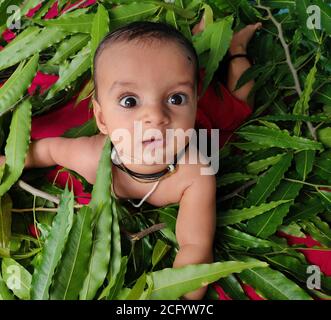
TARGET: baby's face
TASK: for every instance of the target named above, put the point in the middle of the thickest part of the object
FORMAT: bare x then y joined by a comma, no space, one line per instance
152,84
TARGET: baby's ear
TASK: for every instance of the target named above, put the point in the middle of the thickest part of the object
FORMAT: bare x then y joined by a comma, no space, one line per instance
99,116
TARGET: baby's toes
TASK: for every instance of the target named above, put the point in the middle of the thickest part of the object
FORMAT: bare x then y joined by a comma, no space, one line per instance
258,26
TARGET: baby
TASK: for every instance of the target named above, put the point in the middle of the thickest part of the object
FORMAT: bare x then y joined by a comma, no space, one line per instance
147,73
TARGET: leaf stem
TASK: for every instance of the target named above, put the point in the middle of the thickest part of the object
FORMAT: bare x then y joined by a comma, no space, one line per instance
288,60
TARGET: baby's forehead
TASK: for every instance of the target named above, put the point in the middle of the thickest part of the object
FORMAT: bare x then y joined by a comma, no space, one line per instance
121,51
156,60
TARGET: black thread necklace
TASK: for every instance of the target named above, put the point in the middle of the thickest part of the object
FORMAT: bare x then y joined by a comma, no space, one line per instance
150,177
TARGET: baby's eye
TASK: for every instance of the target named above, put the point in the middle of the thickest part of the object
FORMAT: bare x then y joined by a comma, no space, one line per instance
128,102
178,99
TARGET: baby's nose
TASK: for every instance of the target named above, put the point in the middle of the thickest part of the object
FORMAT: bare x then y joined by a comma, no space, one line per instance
156,116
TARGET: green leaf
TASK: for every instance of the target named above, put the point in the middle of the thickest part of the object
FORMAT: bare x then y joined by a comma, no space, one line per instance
171,18
219,43
233,177
172,283
304,162
5,294
17,278
20,48
5,225
322,168
296,269
268,183
101,204
81,23
101,189
325,15
232,287
72,270
100,27
319,230
168,215
123,14
256,167
17,145
239,238
305,211
88,129
116,252
69,72
251,73
115,289
272,284
233,216
138,288
324,136
267,224
325,196
159,251
297,117
277,138
302,105
68,47
86,92
53,247
292,229
16,85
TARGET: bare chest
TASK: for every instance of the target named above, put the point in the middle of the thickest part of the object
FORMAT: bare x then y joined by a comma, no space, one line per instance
168,190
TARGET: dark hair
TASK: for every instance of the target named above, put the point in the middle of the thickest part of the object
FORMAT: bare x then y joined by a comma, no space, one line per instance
146,30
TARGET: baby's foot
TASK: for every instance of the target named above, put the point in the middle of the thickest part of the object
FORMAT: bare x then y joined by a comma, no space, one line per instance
241,38
199,27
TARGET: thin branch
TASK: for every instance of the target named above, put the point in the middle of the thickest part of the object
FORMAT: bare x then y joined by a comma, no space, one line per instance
139,235
238,190
289,61
37,192
77,206
286,48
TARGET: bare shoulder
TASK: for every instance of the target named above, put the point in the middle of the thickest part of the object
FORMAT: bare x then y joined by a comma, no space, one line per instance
196,166
80,154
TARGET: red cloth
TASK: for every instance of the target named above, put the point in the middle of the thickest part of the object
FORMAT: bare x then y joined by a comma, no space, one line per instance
224,112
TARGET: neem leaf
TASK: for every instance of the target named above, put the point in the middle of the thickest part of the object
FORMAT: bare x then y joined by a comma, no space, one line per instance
53,247
17,145
171,283
16,85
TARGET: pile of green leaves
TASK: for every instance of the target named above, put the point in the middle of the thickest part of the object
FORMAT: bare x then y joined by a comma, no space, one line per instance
274,177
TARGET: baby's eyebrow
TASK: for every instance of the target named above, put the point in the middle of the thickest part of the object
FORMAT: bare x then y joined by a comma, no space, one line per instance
129,83
185,84
122,84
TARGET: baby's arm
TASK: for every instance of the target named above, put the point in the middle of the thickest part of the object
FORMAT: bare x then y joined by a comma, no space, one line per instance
77,154
195,226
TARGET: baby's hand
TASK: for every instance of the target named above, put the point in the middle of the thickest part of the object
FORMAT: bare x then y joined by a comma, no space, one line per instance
241,38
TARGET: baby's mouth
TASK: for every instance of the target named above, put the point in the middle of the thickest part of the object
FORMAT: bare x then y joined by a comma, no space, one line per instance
153,142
